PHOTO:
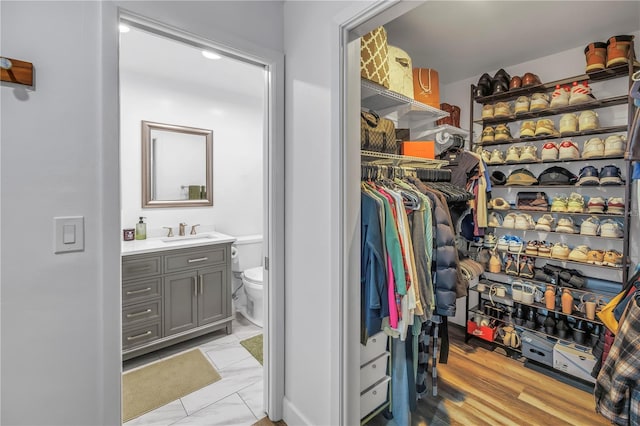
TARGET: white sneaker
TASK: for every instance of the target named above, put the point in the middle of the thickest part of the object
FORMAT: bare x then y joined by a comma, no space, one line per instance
487,111
497,157
545,223
596,205
615,205
502,109
539,101
565,224
560,97
611,228
549,151
529,153
580,93
509,221
522,104
590,226
615,145
495,220
588,120
568,123
594,147
568,150
524,222
513,154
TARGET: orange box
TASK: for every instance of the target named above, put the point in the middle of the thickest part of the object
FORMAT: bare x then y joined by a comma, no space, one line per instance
483,332
423,149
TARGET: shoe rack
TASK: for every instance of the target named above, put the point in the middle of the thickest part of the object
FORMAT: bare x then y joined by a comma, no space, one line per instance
501,311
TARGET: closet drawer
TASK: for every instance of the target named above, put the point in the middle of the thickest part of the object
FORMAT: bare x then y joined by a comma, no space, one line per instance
374,397
141,291
139,335
376,346
141,312
195,259
373,371
139,267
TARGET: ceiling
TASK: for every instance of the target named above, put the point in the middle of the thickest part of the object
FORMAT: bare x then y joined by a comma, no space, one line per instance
463,39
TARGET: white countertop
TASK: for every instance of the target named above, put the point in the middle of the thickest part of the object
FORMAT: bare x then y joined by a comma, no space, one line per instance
151,245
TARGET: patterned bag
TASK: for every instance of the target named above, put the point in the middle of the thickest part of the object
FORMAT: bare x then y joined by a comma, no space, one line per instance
400,72
377,134
374,62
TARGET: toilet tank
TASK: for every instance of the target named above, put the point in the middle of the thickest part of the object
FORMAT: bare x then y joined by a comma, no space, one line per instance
246,253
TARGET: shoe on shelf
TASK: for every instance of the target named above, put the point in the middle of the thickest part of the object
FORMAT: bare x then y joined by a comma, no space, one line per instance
490,240
595,257
545,127
565,225
486,155
488,134
539,101
527,129
568,150
497,157
596,205
495,220
612,258
579,253
575,203
615,145
588,120
560,97
530,79
487,111
502,133
544,249
513,154
611,229
511,266
516,245
499,203
580,93
515,82
590,226
588,176
545,223
549,151
509,221
568,123
559,203
596,56
483,88
618,50
594,147
610,175
524,222
615,205
527,268
529,153
532,248
503,243
502,109
559,251
522,104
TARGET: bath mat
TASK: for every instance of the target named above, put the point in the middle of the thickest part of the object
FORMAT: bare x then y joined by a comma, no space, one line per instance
254,346
164,381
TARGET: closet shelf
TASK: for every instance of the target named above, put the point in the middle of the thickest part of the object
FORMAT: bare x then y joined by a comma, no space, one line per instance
488,276
561,186
601,130
524,231
574,262
582,160
380,158
445,128
557,213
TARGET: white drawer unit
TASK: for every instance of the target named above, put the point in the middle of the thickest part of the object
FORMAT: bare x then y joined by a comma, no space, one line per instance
376,346
374,397
373,371
374,382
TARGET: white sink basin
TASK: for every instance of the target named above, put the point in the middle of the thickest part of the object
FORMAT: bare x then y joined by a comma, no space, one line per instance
189,238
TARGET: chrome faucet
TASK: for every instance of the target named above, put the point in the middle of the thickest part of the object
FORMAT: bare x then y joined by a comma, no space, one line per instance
193,229
181,232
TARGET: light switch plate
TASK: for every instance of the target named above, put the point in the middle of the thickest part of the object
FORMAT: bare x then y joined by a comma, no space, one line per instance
69,234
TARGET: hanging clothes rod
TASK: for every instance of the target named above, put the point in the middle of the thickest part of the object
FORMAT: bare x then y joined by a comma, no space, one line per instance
375,171
401,160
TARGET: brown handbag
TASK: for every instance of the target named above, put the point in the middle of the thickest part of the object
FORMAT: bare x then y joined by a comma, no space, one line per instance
454,115
377,134
426,86
374,57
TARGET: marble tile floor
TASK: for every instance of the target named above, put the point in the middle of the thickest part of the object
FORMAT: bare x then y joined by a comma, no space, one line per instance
235,399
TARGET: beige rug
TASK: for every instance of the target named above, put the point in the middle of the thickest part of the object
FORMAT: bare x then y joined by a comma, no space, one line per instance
254,346
164,381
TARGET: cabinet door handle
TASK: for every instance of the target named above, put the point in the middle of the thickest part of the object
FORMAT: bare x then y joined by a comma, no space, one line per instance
139,268
201,284
195,285
137,314
200,259
148,332
144,290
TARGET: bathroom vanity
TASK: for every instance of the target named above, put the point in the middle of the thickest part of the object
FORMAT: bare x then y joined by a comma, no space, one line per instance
174,289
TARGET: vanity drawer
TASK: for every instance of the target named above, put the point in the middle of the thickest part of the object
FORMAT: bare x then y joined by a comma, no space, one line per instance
138,267
374,371
141,312
195,259
142,290
139,335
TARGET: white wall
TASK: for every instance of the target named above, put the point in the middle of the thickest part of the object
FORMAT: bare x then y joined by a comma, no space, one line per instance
237,124
60,314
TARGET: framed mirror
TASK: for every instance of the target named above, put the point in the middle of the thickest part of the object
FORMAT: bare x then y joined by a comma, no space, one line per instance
177,164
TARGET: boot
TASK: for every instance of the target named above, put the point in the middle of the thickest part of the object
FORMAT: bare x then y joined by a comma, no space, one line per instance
596,55
618,50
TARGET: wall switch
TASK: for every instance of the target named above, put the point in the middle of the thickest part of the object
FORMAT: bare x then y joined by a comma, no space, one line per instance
69,234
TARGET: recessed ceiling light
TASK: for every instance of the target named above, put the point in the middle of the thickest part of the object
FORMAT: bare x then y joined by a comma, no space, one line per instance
123,28
210,55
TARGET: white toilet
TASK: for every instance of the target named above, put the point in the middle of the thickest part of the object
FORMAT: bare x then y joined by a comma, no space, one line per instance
246,264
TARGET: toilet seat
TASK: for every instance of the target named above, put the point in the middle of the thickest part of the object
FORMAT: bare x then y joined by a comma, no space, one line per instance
254,275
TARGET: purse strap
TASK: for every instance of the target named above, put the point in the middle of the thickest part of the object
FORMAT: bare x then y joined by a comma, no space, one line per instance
370,122
425,90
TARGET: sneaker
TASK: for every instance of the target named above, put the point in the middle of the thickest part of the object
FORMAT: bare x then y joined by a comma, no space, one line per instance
511,266
560,251
615,205
580,93
611,229
596,205
497,157
509,221
612,258
532,248
568,123
544,249
539,101
565,225
487,111
568,150
513,154
516,245
559,203
487,134
529,153
486,155
522,104
527,268
595,257
560,97
575,203
588,120
502,109
579,253
495,220
502,133
503,243
588,176
611,175
615,145
549,151
594,147
527,129
524,222
499,204
545,126
590,226
490,240
545,223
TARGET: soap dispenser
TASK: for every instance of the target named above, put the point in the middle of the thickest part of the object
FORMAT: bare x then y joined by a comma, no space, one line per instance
141,229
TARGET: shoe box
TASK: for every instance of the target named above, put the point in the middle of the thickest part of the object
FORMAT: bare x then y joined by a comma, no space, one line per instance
538,348
484,332
574,359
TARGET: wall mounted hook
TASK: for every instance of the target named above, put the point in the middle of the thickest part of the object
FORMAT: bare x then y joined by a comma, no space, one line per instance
16,71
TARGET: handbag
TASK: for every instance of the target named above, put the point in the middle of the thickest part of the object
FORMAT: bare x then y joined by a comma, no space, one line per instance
400,72
454,115
377,134
606,314
534,201
374,57
426,86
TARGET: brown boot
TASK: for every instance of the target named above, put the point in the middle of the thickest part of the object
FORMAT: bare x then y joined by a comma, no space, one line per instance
596,55
618,50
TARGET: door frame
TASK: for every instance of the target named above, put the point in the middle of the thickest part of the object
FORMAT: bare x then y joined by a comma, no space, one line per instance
273,199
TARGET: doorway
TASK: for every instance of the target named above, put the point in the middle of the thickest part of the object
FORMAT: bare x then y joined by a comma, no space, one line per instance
174,78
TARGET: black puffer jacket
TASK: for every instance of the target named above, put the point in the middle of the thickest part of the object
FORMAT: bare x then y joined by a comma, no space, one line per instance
448,273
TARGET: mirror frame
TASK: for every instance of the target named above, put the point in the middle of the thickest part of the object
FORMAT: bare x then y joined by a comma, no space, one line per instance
147,201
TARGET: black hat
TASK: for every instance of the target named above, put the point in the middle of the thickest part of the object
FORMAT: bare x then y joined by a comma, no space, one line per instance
557,176
498,178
